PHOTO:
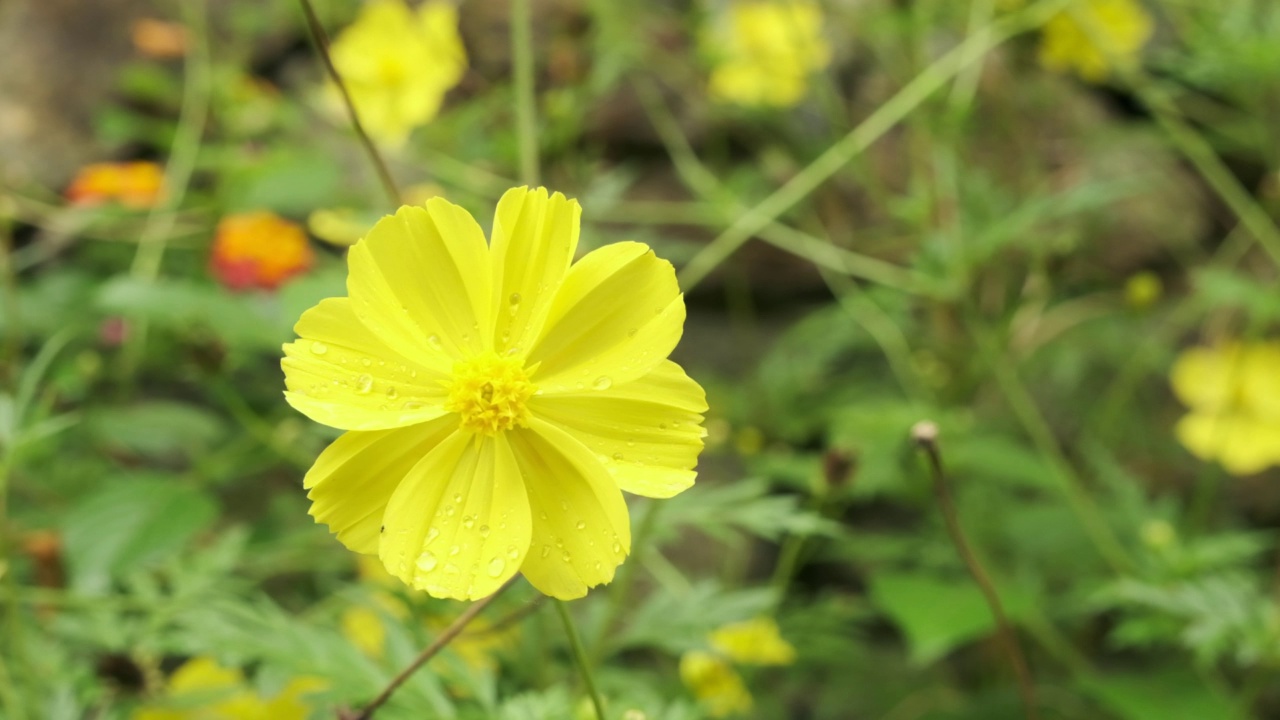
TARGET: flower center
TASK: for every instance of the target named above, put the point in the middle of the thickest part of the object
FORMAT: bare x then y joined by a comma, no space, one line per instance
490,393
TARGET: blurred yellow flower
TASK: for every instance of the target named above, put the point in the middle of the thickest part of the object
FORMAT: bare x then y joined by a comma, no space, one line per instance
1233,392
711,677
497,400
718,687
258,249
1143,289
753,642
204,690
1091,37
764,52
138,185
398,65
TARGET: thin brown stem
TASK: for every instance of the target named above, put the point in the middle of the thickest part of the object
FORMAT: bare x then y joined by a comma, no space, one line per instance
442,640
321,40
925,434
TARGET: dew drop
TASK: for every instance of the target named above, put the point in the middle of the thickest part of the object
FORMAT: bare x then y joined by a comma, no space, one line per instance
319,348
565,556
579,385
432,534
602,383
457,498
448,511
496,566
366,362
468,521
598,565
617,456
662,426
427,562
412,405
451,569
413,373
581,525
513,552
632,332
617,548
546,550
484,531
434,342
514,301
392,393
364,384
454,550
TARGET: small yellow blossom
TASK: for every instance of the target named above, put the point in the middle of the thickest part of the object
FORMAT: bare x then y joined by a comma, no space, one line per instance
753,642
765,50
715,683
1093,36
498,399
1233,392
204,690
711,675
398,65
1142,290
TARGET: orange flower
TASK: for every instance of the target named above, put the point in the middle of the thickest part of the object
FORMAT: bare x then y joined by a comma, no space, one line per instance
259,249
159,39
137,185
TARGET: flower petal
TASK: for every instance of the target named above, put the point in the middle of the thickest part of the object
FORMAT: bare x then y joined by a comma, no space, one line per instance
534,238
420,281
1243,445
355,476
648,432
581,529
458,526
1204,377
339,374
617,315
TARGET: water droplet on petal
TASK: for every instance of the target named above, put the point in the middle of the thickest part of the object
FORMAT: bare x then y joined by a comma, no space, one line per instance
366,362
565,556
451,568
513,552
581,525
617,548
432,534
484,531
392,393
514,301
434,342
598,565
468,521
457,498
602,383
449,511
319,348
617,456
454,550
546,550
427,562
364,384
412,405
496,566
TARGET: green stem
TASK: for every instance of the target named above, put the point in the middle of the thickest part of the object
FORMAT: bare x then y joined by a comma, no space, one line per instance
321,40
861,137
621,586
580,658
12,698
526,107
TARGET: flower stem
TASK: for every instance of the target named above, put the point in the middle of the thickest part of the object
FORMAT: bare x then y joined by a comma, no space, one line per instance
442,640
321,40
580,658
526,102
925,435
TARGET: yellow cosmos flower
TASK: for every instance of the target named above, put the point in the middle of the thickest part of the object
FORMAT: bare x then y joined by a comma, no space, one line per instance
497,399
1233,392
398,65
204,690
711,675
765,52
1069,44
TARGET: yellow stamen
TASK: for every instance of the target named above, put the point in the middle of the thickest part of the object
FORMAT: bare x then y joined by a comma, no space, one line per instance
490,394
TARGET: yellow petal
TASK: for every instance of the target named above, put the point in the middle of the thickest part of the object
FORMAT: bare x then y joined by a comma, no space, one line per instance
715,683
753,642
617,315
354,478
420,281
1203,378
534,238
458,526
581,529
1242,444
339,374
362,627
1261,381
647,432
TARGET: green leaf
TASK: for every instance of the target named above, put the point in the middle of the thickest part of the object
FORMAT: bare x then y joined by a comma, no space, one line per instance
938,615
131,524
1162,695
162,429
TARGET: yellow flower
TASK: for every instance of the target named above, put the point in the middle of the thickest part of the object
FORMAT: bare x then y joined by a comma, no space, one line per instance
204,690
1070,39
753,642
765,51
497,400
711,676
715,683
1233,392
398,65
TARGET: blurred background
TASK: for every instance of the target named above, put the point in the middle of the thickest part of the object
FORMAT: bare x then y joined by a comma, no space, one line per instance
1050,228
